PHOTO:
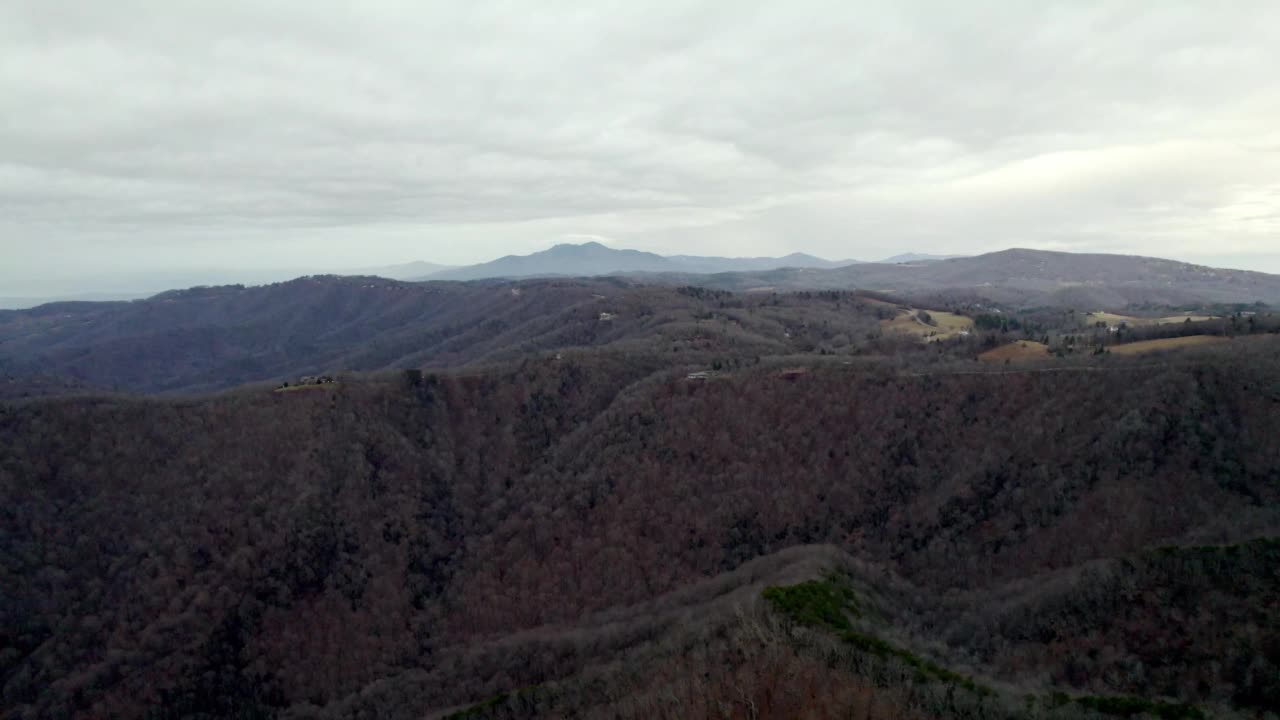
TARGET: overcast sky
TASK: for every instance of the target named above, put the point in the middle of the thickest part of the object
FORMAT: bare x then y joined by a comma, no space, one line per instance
138,136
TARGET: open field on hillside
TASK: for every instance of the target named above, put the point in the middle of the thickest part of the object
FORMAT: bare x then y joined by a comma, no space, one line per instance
1147,346
1115,319
929,325
1022,350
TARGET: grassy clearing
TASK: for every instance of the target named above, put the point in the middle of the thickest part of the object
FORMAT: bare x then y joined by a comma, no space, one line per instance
928,325
1149,346
1113,319
1021,351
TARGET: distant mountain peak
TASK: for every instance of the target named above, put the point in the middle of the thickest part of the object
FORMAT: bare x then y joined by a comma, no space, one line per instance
573,247
801,256
595,258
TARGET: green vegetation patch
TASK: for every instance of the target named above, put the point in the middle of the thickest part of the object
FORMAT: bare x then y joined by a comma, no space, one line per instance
816,603
479,709
828,604
1130,706
926,670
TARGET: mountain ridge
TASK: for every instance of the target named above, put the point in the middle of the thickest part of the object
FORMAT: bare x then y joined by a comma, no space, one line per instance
1016,276
1025,277
595,258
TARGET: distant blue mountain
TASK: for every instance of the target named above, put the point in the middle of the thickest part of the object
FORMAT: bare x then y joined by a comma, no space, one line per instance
593,258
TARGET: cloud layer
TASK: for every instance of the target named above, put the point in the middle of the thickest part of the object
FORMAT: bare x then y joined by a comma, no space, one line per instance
247,134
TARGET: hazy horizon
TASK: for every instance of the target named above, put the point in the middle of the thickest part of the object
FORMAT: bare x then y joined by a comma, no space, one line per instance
127,286
146,139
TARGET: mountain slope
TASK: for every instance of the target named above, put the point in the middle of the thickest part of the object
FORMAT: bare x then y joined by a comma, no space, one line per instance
208,338
213,338
402,547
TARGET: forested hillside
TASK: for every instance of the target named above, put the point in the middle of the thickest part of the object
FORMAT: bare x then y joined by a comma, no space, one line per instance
593,534
213,338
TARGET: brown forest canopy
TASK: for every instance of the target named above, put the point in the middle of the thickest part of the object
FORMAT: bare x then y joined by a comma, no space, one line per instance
418,541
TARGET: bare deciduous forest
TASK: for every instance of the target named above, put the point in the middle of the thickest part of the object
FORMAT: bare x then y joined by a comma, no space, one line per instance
715,505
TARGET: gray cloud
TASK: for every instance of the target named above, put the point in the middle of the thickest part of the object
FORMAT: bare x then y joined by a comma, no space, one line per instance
143,135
